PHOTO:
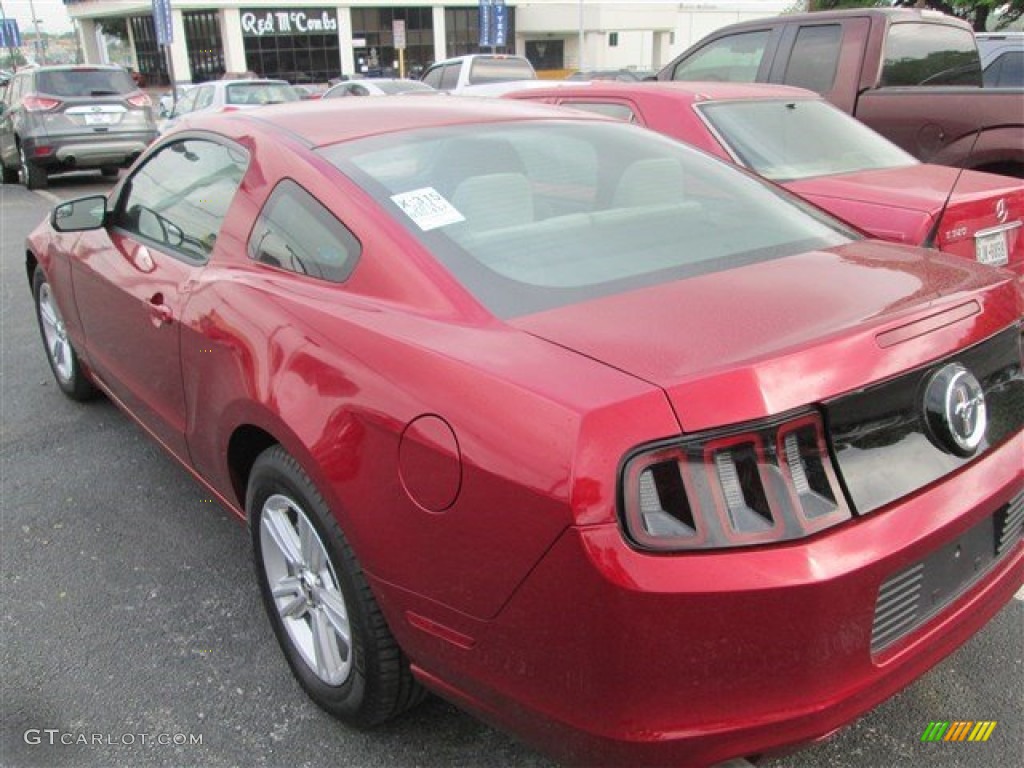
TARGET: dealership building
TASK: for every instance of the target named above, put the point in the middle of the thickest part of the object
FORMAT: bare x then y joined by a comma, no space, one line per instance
305,41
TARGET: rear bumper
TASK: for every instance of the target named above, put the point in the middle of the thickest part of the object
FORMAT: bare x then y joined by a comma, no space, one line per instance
606,655
88,151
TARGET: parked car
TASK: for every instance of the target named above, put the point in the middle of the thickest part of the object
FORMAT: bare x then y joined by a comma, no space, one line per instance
912,75
228,96
594,434
376,87
794,137
1002,58
68,118
477,69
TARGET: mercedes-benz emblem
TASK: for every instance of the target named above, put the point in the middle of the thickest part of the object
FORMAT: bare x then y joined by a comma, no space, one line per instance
954,410
1001,212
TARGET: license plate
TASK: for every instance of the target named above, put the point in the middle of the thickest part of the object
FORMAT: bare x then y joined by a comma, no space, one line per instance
992,249
100,118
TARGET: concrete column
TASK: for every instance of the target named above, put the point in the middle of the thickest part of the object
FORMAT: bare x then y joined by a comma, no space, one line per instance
231,39
179,50
440,34
660,43
102,55
88,41
131,45
348,57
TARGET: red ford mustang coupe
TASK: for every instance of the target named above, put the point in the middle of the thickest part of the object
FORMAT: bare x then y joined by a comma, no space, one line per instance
796,138
615,445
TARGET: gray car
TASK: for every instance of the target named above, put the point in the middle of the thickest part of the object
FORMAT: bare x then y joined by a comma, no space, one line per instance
67,118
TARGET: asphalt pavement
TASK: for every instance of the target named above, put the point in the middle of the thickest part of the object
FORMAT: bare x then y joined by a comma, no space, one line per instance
133,632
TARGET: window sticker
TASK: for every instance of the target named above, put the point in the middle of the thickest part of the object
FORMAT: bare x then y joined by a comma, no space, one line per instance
427,208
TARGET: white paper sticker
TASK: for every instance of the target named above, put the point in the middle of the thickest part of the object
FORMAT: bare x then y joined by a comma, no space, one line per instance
428,208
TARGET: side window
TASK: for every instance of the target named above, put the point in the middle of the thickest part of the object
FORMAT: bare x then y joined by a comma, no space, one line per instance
204,97
433,77
178,199
450,78
1007,71
611,109
930,54
295,232
815,57
734,59
187,103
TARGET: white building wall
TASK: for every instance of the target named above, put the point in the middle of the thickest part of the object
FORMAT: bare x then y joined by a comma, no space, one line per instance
651,32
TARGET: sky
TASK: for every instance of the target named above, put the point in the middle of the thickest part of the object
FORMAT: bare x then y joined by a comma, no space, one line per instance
51,13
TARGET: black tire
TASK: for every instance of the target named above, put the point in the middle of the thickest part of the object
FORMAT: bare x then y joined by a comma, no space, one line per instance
378,685
60,354
10,175
110,171
32,176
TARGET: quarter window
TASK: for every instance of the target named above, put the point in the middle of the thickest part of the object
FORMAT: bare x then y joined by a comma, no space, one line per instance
734,59
930,54
815,56
295,232
178,199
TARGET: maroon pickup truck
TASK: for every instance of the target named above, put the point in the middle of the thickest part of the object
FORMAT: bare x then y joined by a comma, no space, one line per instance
912,75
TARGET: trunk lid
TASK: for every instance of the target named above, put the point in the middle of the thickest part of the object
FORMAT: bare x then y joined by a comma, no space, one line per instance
763,339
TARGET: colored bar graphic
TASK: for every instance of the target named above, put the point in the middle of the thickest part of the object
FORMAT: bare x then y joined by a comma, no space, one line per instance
959,730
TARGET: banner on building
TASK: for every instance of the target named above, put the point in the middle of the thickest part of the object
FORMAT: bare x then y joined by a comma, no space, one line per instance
10,35
163,22
500,24
486,23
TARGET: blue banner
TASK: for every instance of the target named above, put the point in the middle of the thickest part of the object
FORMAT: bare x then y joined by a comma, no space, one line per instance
10,35
486,25
163,22
500,24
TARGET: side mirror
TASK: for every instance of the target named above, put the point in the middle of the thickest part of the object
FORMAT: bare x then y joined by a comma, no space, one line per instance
80,215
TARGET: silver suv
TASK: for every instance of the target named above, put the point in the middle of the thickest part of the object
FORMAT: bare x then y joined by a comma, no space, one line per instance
66,118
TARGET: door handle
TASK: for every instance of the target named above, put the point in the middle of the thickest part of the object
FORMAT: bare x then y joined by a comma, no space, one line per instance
161,313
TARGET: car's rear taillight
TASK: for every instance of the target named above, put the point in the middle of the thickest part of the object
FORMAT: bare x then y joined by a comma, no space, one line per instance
35,103
769,483
139,99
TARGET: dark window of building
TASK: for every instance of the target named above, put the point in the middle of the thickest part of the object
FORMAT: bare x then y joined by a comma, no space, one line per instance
151,61
613,39
815,56
299,54
546,54
295,232
205,51
373,44
462,27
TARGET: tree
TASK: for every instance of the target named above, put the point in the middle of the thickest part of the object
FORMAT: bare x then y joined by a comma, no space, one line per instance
977,12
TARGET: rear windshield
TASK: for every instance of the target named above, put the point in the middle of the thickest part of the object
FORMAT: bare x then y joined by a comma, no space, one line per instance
261,93
538,214
500,71
930,54
786,140
84,82
402,86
